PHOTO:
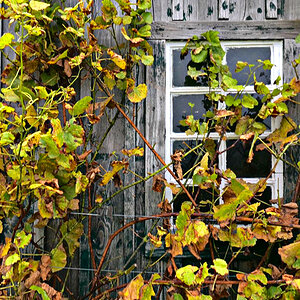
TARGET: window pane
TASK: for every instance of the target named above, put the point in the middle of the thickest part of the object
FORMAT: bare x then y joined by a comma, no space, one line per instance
204,198
249,55
181,109
237,160
253,112
194,157
180,68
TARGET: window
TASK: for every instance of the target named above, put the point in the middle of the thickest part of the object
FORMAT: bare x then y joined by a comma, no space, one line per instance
182,90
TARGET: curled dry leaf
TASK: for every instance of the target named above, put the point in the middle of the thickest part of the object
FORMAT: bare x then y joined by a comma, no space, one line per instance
45,266
176,158
33,279
158,183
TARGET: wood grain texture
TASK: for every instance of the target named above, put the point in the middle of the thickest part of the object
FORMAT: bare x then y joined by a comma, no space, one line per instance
289,10
177,6
271,9
291,51
162,10
237,10
223,10
228,30
254,10
208,10
155,120
191,10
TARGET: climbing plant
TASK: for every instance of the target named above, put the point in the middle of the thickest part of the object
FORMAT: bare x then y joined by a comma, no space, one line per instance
48,158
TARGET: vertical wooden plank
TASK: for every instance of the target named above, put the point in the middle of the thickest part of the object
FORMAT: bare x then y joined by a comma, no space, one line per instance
177,10
155,121
208,10
191,10
237,10
255,10
289,10
162,10
291,51
223,9
271,9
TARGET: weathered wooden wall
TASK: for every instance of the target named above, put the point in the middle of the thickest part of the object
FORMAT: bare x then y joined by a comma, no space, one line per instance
173,20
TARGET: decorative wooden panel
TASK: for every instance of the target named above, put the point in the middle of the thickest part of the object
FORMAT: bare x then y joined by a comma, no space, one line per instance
271,9
191,10
177,6
223,9
254,10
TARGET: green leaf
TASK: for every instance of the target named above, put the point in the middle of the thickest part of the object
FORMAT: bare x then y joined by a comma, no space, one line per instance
50,78
194,73
186,274
240,65
6,138
147,17
80,106
261,88
177,297
220,266
212,36
127,20
229,82
48,142
138,93
22,239
147,60
199,57
58,259
42,292
145,31
297,40
6,40
248,101
37,5
144,4
274,292
71,232
12,259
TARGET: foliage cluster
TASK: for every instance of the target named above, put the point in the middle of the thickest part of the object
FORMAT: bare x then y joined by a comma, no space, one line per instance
47,164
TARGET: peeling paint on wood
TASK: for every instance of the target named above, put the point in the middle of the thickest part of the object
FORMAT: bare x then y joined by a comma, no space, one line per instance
228,30
251,12
190,10
177,10
223,10
271,9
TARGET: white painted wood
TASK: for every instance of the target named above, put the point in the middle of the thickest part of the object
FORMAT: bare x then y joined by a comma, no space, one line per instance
191,9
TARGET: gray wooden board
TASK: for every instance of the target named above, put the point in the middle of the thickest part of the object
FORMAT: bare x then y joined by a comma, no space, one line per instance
155,122
228,30
223,6
162,10
271,9
289,10
291,51
191,10
254,10
177,6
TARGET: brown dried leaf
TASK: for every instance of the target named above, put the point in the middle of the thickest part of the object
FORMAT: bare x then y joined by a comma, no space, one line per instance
52,293
45,266
33,279
176,158
275,271
84,155
158,183
67,68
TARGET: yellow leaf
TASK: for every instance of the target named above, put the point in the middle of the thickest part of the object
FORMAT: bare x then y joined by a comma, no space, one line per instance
37,5
132,291
117,166
138,93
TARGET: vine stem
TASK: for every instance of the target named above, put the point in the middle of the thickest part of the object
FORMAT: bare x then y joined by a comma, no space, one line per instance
155,153
146,141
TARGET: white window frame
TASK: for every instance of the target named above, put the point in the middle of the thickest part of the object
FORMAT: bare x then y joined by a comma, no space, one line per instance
276,180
